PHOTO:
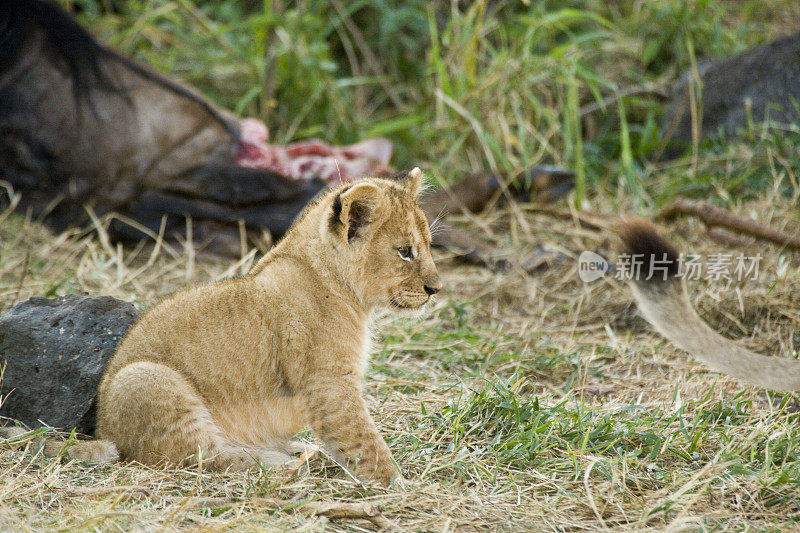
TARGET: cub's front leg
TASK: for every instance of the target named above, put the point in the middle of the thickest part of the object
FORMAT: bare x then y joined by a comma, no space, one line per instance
338,415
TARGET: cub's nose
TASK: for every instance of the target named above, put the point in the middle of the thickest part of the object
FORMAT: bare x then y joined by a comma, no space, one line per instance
431,290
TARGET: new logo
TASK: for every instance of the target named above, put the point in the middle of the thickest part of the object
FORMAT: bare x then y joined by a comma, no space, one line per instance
592,266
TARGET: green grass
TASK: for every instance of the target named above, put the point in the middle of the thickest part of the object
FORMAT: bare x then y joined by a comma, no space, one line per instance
493,86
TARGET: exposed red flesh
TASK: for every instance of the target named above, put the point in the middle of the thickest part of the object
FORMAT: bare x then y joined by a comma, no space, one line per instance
313,158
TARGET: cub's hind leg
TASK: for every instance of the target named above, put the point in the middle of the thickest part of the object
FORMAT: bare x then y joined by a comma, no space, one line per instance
154,415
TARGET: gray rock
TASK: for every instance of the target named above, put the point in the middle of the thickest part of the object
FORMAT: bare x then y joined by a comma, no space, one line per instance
768,77
55,351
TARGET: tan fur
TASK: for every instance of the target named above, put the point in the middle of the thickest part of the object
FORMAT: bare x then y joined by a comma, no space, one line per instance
12,432
665,304
232,370
98,451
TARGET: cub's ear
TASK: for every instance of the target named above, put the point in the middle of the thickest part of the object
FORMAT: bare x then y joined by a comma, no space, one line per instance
356,208
413,181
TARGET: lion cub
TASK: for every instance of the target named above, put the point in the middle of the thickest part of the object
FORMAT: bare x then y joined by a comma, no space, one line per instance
232,370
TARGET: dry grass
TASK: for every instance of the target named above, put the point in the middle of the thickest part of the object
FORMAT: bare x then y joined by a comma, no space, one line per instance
518,403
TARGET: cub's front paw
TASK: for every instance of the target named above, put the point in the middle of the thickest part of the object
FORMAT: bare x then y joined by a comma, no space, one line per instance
383,471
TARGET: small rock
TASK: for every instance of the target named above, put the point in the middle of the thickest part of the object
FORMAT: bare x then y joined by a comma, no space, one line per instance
55,351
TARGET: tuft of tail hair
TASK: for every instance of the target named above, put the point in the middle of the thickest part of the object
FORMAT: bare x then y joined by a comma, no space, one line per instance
650,257
664,302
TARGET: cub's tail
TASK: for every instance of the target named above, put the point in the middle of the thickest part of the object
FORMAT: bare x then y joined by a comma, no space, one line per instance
664,302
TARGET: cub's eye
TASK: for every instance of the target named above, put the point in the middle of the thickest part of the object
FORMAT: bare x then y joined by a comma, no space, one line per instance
406,252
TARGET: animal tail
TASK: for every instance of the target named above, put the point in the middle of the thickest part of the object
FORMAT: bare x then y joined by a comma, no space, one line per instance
664,302
53,445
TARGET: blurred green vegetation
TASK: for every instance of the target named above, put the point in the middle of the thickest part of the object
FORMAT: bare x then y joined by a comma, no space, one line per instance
466,86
